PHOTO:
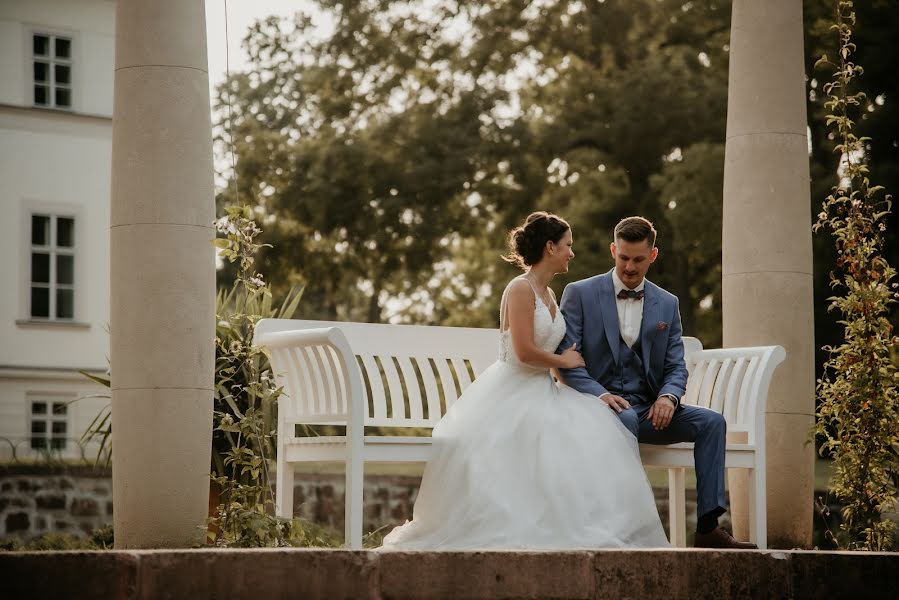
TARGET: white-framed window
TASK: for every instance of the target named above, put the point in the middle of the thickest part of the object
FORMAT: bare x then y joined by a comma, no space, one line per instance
52,70
51,294
49,422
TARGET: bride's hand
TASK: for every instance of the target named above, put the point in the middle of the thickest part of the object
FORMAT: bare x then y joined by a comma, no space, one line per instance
572,359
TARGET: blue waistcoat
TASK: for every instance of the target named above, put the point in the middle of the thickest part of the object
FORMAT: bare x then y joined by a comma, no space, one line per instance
630,376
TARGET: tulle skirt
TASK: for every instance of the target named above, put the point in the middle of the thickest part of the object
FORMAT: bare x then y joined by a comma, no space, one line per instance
521,462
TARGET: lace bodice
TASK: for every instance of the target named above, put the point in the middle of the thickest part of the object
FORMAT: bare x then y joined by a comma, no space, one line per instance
548,332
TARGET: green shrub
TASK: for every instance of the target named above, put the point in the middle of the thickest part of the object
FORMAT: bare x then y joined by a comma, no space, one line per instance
858,412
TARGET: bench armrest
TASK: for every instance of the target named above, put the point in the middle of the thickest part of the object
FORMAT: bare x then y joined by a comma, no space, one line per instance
308,378
299,337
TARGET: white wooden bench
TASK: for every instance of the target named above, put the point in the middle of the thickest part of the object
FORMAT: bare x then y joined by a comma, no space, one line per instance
361,375
733,382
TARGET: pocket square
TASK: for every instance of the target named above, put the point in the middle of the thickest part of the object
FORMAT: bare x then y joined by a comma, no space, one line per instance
662,326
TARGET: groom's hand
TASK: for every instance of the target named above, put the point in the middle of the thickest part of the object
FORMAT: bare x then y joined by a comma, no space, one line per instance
616,403
660,413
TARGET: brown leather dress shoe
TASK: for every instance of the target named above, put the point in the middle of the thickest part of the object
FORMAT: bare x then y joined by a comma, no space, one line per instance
720,538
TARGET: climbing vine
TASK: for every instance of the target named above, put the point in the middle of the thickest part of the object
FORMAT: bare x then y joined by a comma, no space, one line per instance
858,401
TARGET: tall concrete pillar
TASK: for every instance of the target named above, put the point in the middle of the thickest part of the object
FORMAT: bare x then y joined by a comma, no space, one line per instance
163,274
767,249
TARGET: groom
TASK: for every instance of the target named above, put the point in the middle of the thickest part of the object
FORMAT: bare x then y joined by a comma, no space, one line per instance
629,332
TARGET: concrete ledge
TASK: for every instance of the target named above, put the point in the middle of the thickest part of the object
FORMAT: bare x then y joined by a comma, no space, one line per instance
327,574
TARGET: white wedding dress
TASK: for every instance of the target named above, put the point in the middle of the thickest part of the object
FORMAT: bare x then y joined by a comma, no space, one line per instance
521,462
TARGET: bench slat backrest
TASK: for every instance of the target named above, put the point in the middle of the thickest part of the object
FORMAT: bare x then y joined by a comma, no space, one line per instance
410,374
315,380
733,381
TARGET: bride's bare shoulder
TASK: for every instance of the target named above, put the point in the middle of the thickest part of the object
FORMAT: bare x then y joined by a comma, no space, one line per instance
519,290
516,285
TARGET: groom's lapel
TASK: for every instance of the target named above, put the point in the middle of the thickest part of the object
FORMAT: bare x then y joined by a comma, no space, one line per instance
650,321
606,293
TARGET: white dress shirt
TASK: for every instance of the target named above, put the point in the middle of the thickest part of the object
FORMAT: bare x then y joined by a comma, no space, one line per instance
630,312
630,318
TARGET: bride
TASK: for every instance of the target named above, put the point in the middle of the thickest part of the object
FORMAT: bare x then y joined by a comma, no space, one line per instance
521,461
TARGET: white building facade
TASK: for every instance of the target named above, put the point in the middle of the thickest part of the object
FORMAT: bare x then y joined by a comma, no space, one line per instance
56,91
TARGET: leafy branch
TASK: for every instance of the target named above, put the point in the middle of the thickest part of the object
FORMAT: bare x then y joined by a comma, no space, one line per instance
858,412
246,396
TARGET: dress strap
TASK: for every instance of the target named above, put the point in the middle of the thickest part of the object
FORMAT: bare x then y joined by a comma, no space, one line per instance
533,289
503,303
552,306
503,312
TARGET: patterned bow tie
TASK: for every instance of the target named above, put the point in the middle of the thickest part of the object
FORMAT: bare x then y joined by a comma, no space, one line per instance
630,295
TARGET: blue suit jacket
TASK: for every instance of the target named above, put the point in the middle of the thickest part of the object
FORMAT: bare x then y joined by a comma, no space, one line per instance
591,317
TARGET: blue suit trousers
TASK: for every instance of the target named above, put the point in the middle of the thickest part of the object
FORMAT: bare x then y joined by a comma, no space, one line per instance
707,430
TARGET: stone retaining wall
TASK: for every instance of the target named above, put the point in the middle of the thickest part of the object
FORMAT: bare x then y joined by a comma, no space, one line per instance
35,500
388,501
335,574
39,500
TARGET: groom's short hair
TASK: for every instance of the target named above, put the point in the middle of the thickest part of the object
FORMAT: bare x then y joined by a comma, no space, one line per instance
635,229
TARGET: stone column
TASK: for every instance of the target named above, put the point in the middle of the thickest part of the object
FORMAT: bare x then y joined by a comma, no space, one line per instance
767,249
163,274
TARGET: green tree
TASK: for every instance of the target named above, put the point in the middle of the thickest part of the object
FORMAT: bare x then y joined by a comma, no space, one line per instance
389,159
689,190
359,149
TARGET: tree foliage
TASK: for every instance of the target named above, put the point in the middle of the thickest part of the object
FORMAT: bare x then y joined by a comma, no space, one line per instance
389,156
388,145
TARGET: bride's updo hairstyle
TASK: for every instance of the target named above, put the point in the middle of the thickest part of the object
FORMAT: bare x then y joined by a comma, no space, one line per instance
526,242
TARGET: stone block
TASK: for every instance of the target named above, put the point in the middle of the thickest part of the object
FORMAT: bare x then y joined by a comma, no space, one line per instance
775,308
495,574
374,511
21,502
856,575
400,512
84,507
315,573
766,86
690,573
75,575
51,501
164,32
171,339
163,496
17,521
791,480
162,167
263,573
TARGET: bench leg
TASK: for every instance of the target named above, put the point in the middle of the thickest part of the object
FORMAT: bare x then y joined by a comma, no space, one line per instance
677,508
353,510
284,497
758,514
